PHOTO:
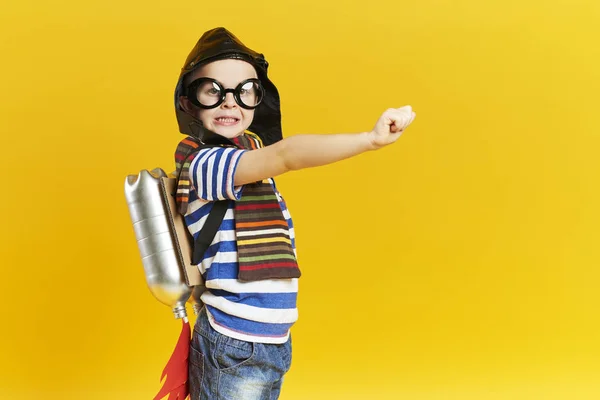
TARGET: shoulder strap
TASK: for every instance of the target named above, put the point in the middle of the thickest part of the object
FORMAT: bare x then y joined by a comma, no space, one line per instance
209,230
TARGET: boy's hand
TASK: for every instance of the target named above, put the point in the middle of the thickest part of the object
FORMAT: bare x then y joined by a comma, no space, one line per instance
390,126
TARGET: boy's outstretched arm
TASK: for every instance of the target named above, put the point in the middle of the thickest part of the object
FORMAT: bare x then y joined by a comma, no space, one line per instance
305,151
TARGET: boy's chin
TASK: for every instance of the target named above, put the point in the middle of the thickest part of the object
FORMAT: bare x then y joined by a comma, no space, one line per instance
228,133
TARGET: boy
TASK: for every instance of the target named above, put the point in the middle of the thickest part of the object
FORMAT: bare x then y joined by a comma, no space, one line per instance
241,346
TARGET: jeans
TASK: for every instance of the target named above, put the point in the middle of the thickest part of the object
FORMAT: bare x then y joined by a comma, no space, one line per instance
224,368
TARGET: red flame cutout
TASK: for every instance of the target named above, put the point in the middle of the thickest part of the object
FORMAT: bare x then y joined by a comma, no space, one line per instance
176,369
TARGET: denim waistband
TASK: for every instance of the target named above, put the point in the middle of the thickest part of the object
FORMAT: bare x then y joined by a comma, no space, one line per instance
204,328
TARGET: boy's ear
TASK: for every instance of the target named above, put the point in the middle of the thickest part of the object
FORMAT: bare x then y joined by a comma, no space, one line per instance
186,104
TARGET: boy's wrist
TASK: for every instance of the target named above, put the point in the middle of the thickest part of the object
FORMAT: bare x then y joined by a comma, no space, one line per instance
368,138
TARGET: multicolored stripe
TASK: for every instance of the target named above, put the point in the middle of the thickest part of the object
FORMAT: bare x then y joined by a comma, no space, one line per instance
184,154
263,239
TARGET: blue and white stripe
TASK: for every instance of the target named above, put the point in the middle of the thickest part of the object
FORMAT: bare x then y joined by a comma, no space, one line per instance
260,311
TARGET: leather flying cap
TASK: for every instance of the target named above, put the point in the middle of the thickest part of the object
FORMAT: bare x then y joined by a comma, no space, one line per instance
219,44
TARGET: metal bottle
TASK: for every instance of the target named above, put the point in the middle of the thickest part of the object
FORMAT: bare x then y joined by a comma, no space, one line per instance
154,231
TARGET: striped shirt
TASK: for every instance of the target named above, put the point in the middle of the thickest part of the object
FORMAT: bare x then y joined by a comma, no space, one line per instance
260,311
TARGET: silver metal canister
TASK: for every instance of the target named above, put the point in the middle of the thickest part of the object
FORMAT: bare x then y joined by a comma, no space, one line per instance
156,239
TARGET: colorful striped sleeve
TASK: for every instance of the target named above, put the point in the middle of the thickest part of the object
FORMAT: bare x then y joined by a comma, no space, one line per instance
212,171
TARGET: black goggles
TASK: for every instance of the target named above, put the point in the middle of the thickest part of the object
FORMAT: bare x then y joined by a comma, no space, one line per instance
210,93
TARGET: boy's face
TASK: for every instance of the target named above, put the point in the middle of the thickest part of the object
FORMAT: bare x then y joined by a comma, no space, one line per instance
228,119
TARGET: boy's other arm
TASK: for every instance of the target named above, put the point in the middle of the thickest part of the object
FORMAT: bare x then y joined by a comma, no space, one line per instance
305,151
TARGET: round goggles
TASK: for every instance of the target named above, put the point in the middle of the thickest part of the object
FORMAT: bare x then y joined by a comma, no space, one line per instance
209,93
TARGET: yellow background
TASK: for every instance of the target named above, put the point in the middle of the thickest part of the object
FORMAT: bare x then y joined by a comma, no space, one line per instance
460,263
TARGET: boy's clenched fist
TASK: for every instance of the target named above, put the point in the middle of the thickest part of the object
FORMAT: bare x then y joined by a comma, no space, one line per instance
390,126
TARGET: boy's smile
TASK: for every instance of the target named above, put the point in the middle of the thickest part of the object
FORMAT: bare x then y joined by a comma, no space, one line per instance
227,119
